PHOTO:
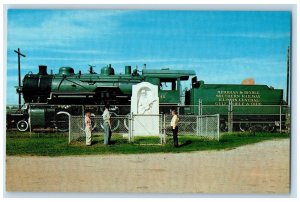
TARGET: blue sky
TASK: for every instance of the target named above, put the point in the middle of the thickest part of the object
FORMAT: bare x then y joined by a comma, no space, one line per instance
223,47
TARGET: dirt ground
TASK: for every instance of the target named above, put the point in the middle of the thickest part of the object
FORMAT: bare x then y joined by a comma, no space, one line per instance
256,168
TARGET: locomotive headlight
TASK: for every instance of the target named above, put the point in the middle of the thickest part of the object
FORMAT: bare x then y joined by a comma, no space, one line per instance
19,89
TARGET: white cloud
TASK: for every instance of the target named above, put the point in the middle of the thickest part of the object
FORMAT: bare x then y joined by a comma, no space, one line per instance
62,29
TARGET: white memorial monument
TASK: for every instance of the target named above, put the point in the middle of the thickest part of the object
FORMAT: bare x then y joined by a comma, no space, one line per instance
145,108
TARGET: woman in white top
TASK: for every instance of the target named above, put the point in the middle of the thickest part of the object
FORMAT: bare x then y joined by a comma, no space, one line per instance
174,126
88,128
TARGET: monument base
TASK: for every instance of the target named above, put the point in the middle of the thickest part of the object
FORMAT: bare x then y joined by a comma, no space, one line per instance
146,125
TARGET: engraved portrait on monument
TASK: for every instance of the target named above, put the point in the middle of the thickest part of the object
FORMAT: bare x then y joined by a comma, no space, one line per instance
145,101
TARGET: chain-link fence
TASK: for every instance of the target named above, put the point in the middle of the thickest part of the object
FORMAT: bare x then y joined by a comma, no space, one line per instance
266,118
49,118
208,126
187,124
147,128
77,126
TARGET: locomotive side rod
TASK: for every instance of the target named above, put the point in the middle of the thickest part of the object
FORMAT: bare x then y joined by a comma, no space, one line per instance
19,73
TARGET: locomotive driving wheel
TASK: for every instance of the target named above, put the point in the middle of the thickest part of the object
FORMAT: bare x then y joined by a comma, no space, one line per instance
224,126
256,128
126,121
269,128
244,126
62,122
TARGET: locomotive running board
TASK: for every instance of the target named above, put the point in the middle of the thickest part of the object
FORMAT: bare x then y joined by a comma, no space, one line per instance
71,95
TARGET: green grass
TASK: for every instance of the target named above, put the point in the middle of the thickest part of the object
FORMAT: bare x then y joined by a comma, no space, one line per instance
56,144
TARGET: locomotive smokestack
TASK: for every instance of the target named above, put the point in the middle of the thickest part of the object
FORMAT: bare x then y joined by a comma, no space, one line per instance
42,70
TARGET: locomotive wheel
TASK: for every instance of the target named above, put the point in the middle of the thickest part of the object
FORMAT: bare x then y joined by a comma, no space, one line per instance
62,122
126,122
193,126
256,128
269,128
22,125
94,122
244,126
224,126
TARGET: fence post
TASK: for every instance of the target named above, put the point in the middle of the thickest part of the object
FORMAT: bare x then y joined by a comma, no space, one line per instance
129,126
200,107
69,127
161,128
164,118
201,125
200,114
131,134
29,119
69,116
288,118
206,126
197,125
83,115
130,131
280,126
218,126
230,110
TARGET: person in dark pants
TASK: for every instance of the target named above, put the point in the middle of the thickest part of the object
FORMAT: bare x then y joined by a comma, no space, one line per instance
174,125
106,125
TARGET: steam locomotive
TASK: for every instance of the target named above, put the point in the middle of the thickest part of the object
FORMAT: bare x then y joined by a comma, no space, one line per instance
67,88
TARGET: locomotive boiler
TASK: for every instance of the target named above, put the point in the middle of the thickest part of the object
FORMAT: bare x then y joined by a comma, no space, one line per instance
68,87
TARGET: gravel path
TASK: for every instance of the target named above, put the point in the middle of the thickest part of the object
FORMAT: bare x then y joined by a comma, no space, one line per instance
256,168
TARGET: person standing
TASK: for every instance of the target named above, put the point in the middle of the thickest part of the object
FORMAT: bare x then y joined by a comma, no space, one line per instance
106,125
88,128
174,125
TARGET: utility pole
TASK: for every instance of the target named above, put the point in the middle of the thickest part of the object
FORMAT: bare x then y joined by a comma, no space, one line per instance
288,76
19,73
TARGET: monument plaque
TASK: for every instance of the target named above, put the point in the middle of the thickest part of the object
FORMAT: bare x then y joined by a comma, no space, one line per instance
145,109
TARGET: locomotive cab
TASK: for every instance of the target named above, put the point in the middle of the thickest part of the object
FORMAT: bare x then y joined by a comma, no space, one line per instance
169,90
169,82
